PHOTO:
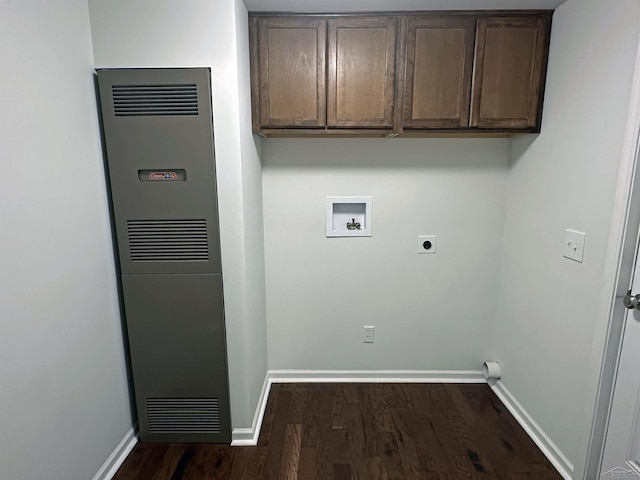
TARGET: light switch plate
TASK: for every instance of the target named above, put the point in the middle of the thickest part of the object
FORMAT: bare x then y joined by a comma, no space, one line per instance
425,241
574,245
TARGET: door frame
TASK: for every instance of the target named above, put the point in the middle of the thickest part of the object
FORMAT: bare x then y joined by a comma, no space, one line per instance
618,270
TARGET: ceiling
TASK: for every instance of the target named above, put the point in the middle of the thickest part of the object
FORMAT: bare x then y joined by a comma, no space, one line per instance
395,5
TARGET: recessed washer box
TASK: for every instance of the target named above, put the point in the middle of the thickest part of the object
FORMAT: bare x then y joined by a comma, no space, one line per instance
349,216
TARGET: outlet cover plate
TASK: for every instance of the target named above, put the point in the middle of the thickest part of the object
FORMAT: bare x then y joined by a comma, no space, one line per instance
574,245
422,239
368,333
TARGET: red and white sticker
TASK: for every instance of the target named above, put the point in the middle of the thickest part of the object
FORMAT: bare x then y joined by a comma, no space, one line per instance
163,175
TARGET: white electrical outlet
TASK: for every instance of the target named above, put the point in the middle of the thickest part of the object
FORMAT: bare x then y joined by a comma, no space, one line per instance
367,334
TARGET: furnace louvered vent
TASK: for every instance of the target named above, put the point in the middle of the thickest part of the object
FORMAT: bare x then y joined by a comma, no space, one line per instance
155,100
183,415
168,240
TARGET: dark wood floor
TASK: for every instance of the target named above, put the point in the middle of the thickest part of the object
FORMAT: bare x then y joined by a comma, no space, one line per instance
362,432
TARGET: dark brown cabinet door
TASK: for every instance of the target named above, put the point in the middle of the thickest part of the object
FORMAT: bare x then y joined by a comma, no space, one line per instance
292,71
361,75
510,66
439,62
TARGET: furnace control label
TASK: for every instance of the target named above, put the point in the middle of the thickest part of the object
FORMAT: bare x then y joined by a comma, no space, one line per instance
177,175
163,176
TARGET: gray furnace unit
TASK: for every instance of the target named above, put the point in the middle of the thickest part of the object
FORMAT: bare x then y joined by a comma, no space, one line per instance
159,142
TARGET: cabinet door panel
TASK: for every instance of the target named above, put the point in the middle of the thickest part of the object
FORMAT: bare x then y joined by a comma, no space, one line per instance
438,72
292,72
361,72
510,65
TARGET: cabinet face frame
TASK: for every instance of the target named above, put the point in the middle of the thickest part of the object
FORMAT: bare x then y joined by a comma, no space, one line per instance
390,24
266,72
435,23
541,24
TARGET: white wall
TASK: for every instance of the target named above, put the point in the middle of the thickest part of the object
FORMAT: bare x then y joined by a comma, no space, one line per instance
64,402
250,146
205,33
430,311
565,178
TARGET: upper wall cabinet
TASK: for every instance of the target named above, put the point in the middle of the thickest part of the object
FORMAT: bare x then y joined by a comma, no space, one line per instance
438,71
387,75
313,72
362,64
511,57
291,72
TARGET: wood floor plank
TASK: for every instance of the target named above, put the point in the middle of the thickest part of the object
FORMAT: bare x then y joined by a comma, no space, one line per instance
291,452
342,471
337,413
135,461
210,462
269,416
167,466
307,467
185,461
380,410
276,438
362,432
150,465
241,461
298,403
375,469
255,466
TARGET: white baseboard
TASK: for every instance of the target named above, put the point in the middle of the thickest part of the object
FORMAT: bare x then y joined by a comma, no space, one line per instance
376,376
537,434
117,457
249,436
